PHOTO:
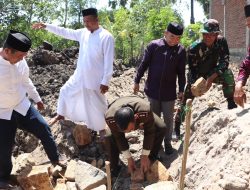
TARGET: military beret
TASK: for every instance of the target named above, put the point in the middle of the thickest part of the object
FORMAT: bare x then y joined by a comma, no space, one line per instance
247,10
89,11
18,41
175,28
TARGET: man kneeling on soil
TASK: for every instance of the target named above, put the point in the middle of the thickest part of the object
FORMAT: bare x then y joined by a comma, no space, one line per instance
208,58
127,114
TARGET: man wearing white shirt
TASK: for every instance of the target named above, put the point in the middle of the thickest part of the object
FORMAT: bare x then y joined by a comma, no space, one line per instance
16,110
82,97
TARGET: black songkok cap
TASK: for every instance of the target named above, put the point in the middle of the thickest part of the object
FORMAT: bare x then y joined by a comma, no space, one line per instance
18,41
89,11
175,28
247,10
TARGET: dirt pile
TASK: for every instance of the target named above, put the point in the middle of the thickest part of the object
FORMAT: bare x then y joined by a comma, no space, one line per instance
219,144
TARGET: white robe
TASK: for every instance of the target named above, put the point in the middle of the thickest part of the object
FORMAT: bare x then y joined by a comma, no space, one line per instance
80,98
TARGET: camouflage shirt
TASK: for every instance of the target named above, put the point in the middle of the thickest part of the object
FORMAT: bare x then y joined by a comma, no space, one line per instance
204,61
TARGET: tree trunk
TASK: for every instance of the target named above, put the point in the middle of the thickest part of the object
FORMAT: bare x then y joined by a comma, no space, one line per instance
66,13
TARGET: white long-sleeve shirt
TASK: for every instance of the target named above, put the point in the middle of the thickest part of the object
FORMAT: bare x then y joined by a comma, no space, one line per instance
96,55
14,85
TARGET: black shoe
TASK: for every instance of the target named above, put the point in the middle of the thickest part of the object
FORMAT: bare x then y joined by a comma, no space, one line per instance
168,149
231,104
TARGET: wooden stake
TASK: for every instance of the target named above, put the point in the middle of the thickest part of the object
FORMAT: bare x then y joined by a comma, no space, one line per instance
186,143
107,166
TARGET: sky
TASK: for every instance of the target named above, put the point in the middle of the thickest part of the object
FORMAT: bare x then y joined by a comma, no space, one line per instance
182,7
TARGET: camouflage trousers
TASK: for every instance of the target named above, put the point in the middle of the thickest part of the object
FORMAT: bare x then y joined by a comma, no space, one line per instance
226,80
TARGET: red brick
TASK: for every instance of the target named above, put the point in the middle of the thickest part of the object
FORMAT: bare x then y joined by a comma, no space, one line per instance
235,28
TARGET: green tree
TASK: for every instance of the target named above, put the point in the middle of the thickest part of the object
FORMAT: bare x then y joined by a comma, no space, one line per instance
75,11
151,3
117,3
191,34
120,32
8,13
158,20
137,26
106,19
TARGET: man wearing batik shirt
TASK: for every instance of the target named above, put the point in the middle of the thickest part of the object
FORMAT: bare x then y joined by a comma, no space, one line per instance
239,94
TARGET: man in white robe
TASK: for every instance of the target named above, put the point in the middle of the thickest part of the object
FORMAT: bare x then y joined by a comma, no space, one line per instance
82,96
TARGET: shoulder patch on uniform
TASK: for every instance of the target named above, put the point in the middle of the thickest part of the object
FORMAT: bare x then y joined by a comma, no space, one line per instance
110,121
142,114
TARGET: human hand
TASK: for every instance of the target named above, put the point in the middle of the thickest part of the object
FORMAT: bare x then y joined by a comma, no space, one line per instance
145,163
131,165
208,83
136,88
40,105
210,80
239,94
103,88
38,26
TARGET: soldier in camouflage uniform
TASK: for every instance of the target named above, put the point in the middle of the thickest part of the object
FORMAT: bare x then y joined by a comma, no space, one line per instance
208,58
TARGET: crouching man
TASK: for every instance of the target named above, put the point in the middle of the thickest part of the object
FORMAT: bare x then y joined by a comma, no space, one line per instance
127,114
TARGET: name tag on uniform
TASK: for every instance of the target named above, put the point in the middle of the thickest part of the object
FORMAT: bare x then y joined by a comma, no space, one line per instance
142,115
110,121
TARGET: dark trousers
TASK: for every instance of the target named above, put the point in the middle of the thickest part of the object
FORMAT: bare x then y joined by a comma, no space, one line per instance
113,151
167,109
34,123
